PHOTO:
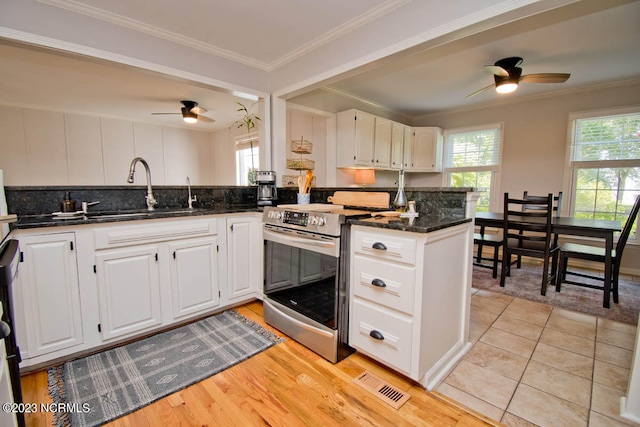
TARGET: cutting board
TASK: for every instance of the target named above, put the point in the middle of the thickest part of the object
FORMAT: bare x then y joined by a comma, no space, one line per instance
363,199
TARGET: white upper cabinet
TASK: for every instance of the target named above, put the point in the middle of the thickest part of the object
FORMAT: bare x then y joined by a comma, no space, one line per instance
355,138
401,141
382,143
364,140
426,150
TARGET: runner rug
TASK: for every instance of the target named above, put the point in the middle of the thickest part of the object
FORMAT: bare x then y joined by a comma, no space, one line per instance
105,386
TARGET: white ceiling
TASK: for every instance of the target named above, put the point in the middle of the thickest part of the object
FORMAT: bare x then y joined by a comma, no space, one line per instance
597,41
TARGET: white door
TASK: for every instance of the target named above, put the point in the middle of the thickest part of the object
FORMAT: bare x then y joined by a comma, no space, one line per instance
194,276
427,150
242,257
382,144
365,131
128,289
48,283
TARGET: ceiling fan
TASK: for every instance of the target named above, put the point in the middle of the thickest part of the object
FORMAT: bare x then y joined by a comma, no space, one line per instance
191,112
507,75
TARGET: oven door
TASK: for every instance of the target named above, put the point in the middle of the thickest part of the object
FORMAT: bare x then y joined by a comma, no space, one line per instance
301,272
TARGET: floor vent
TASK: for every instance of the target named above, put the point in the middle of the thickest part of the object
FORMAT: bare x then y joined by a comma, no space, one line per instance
381,389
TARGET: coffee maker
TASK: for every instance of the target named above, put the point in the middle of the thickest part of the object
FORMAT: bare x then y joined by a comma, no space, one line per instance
267,193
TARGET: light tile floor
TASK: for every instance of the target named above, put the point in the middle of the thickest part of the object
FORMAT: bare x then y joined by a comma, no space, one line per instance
533,364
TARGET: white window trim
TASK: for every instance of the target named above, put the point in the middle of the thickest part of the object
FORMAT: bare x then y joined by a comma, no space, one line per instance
569,175
571,166
495,199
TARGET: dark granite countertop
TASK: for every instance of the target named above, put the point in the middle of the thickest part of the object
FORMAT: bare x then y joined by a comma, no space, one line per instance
49,220
420,224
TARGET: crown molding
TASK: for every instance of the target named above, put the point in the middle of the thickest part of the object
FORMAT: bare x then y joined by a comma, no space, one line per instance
339,31
132,24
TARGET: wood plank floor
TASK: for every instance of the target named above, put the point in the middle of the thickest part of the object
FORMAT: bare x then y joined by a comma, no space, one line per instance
285,385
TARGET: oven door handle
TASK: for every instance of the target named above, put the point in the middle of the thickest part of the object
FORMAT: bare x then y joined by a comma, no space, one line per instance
291,239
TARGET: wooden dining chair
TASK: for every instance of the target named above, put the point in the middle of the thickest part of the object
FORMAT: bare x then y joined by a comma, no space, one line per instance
557,210
495,241
527,233
596,254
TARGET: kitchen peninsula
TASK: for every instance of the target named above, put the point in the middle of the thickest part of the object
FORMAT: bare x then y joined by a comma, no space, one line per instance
119,274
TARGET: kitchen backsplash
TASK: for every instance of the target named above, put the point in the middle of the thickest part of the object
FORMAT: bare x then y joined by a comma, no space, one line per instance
45,200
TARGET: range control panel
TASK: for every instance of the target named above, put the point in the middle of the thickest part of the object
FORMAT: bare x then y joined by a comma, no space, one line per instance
322,222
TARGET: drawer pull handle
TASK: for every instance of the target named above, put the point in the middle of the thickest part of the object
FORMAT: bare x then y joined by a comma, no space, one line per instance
378,245
379,283
376,334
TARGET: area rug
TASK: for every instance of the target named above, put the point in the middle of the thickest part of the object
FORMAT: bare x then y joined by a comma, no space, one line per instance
105,386
525,283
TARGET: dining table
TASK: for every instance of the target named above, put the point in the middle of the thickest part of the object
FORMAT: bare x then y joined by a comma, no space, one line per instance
570,226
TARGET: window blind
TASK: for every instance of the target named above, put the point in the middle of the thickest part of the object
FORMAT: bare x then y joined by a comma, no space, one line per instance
245,142
607,138
473,148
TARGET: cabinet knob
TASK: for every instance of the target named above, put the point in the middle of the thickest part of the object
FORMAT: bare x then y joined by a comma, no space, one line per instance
379,283
376,334
379,245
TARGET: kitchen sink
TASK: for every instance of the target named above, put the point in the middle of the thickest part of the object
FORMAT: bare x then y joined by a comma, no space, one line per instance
141,214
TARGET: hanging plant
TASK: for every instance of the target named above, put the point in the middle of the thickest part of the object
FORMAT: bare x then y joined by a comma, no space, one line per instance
248,121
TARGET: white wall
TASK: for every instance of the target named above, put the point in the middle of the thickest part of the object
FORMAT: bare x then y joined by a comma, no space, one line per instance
40,147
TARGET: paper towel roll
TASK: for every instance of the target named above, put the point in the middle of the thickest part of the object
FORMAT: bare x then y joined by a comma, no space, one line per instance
3,199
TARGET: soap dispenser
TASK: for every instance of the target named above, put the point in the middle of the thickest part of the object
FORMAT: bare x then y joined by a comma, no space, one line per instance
68,205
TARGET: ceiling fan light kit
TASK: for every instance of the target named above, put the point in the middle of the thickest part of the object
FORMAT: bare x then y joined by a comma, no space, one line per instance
507,76
191,113
188,116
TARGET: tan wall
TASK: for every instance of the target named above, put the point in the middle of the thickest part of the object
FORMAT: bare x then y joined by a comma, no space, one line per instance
535,142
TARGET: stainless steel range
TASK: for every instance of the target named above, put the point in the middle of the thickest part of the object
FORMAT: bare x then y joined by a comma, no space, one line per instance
306,267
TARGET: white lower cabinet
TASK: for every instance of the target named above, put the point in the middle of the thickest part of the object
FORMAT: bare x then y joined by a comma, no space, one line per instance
86,286
47,296
244,256
194,276
139,264
128,290
410,298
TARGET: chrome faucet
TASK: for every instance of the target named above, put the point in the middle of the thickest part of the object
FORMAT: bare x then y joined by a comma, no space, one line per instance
191,200
151,202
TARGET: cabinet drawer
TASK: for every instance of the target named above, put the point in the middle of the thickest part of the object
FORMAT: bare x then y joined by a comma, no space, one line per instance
136,234
391,285
385,246
394,346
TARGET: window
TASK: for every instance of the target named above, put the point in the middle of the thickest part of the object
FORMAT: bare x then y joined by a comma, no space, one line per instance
472,159
605,165
247,156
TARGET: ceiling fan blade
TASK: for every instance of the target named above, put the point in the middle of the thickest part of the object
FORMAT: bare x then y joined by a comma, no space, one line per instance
205,119
157,114
198,110
480,91
497,70
545,78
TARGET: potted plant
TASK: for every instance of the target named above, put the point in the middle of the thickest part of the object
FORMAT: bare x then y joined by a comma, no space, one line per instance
248,121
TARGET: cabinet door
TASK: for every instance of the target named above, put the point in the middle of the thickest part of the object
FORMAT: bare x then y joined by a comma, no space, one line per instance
364,139
397,145
407,147
194,276
242,241
128,290
48,282
427,150
382,143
